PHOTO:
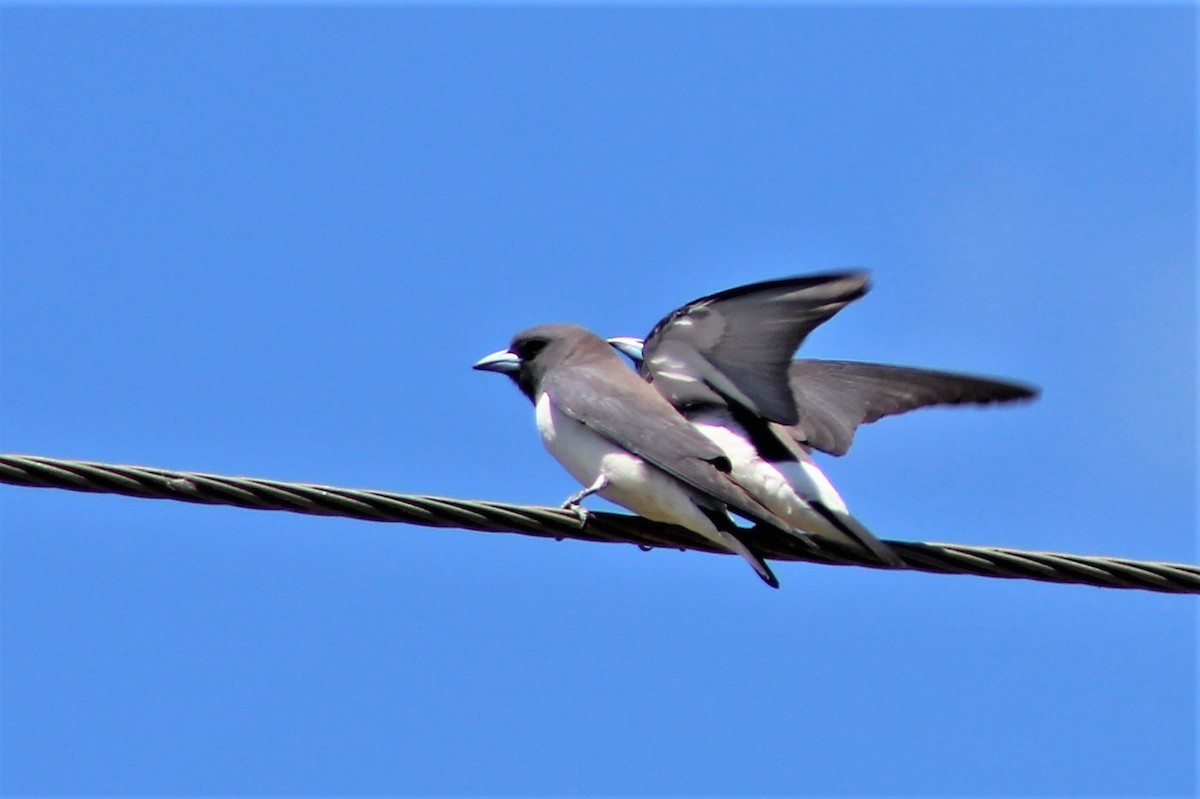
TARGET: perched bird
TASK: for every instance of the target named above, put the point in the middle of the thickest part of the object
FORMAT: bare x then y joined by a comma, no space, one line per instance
718,359
723,362
621,439
722,419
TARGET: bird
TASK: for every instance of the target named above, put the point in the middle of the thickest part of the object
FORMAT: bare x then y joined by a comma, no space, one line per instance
717,360
621,439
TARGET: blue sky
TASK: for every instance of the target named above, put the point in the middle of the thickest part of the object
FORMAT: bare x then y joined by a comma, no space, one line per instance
271,242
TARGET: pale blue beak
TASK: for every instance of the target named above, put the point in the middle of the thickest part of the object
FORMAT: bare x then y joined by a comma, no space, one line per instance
632,347
502,361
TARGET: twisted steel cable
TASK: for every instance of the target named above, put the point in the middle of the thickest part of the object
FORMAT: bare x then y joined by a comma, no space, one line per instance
498,517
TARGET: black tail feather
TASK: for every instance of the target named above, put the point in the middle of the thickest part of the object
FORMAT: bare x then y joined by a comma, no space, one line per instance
729,537
860,535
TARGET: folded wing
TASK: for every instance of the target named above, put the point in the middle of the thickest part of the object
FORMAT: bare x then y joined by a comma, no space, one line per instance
637,419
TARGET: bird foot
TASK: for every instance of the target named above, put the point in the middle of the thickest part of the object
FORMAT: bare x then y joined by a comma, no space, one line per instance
581,512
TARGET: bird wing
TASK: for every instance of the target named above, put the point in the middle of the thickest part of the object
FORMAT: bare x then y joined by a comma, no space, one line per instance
627,411
834,397
736,345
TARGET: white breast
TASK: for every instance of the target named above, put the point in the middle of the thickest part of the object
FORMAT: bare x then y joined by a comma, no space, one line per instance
633,483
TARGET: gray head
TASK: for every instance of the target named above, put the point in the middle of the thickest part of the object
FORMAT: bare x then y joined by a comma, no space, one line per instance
535,351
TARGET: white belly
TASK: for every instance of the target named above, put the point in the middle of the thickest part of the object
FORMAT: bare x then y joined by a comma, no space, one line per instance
632,482
785,488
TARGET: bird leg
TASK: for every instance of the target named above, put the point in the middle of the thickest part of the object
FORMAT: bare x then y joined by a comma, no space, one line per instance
573,501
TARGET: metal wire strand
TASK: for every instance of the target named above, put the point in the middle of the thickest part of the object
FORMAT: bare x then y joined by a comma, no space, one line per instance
498,517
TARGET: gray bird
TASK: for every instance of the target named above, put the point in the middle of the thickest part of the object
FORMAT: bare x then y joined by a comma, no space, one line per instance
717,360
621,439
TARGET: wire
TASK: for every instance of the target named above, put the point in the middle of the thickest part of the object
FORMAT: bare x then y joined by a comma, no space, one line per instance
498,517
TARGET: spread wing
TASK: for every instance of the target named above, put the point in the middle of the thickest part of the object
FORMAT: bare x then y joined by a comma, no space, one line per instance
835,397
737,345
617,404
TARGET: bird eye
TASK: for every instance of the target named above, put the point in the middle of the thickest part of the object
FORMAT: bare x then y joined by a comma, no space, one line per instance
530,348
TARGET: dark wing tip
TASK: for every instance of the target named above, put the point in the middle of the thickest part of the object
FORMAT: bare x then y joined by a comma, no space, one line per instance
1023,391
973,390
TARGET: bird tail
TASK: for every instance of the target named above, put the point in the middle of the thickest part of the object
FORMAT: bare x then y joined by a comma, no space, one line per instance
728,532
816,490
857,532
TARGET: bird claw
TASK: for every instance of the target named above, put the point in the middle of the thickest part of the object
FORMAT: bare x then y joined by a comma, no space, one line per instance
581,512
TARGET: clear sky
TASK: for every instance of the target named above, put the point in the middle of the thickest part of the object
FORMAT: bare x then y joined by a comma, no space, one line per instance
271,242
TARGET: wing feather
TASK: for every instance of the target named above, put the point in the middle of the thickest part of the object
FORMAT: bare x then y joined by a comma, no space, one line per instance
834,397
736,345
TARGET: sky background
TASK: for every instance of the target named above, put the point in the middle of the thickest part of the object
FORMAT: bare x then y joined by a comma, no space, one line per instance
272,241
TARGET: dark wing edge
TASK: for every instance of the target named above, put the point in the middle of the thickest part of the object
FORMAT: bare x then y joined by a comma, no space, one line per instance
835,397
